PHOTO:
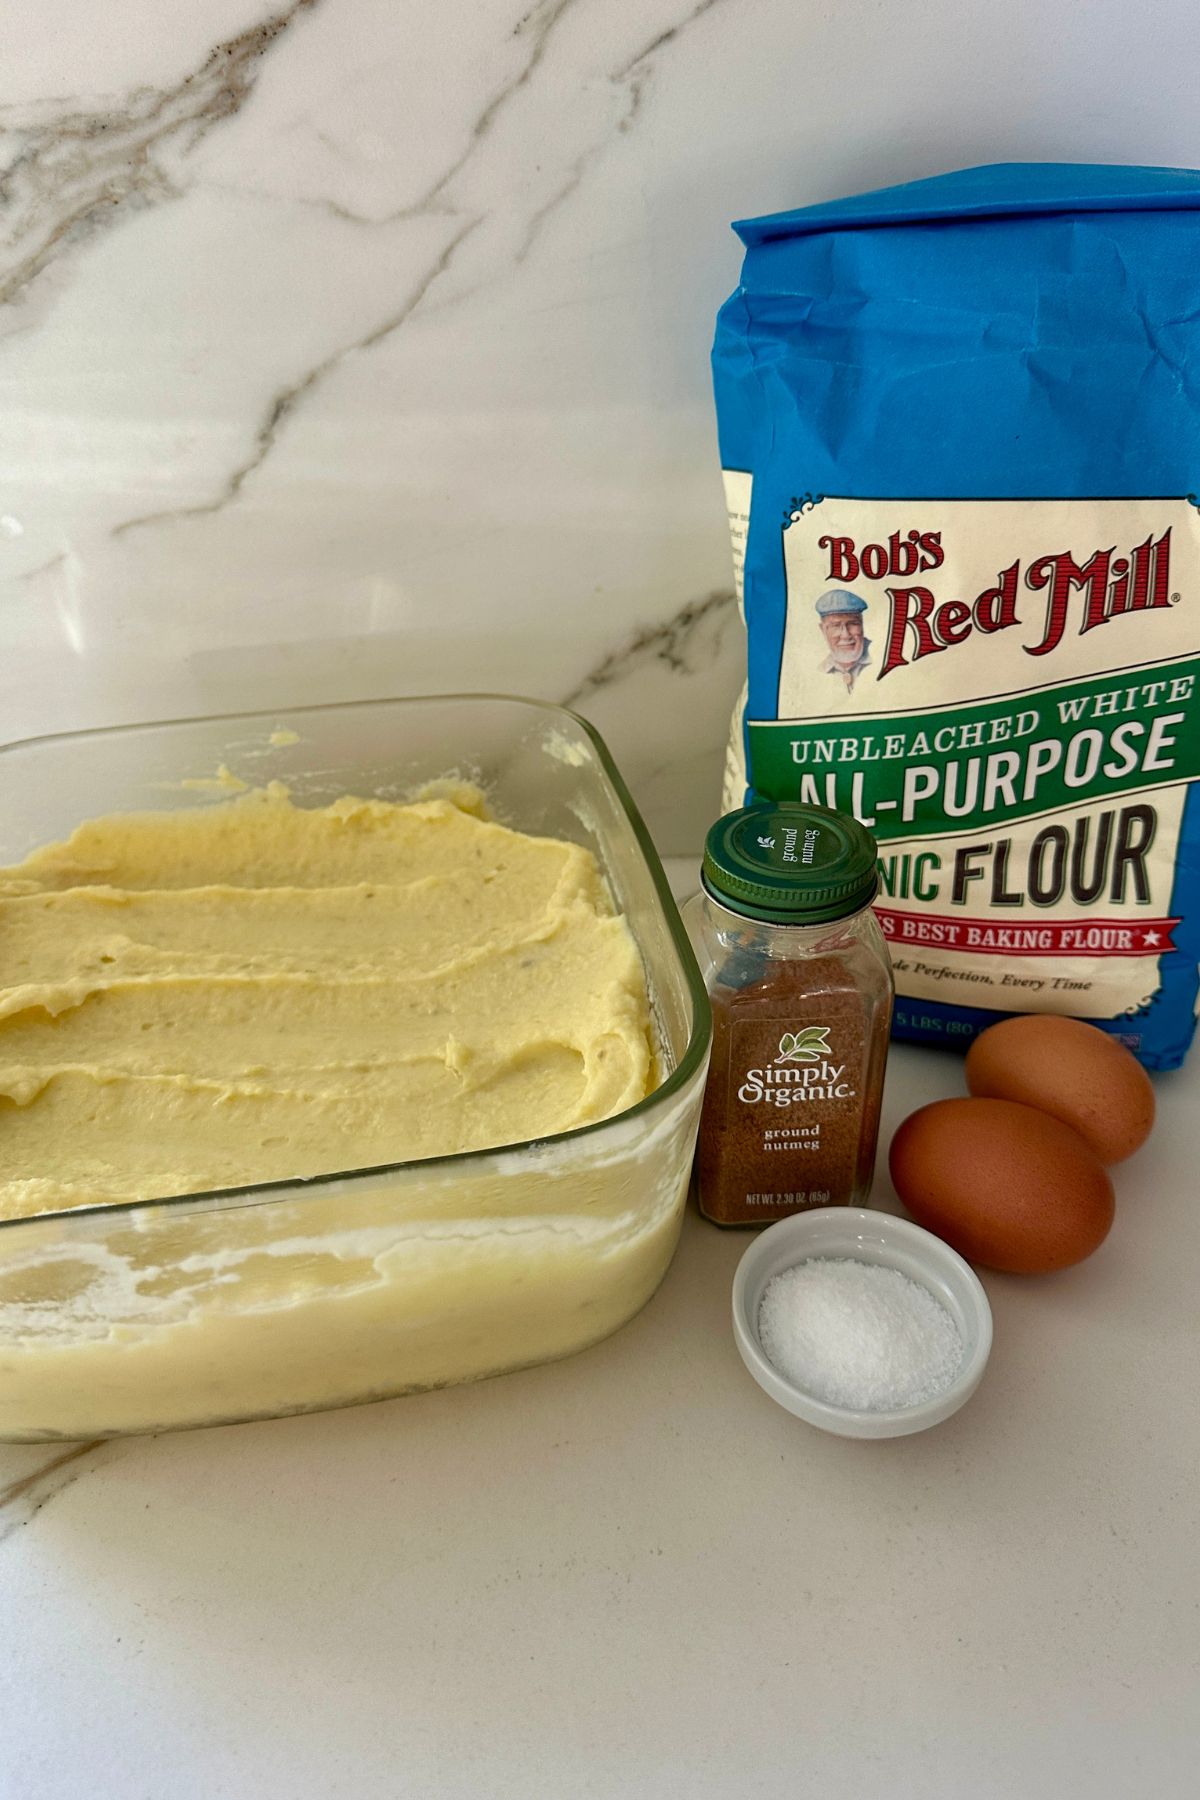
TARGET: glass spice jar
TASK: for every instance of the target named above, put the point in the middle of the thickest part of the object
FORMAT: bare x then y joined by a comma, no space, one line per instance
801,989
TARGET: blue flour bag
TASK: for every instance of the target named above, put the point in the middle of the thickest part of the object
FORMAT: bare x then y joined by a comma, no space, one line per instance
960,433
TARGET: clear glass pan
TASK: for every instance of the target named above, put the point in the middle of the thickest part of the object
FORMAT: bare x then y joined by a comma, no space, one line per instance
299,1295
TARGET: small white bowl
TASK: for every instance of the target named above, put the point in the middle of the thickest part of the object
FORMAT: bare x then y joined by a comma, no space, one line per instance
871,1237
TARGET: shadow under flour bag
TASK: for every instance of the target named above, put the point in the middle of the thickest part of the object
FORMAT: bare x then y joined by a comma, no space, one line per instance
960,431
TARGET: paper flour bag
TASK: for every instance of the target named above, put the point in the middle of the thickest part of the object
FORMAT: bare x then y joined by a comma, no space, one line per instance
960,431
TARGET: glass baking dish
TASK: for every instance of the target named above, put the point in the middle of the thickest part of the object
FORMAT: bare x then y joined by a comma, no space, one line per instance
299,1295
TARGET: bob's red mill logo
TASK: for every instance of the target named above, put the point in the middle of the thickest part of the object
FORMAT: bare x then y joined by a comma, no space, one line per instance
1102,588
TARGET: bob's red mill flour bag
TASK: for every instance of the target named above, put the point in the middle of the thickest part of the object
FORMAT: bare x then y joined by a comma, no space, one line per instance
960,430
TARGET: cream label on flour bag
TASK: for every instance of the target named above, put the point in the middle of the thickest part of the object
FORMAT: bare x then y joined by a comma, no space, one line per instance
1031,823
998,681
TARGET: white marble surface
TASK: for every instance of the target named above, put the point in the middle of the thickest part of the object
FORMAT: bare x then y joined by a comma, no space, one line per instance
356,347
631,1576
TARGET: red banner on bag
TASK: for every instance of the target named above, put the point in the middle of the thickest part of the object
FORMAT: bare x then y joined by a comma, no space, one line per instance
1045,937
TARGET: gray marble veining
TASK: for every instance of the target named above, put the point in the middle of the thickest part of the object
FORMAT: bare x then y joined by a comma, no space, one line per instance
318,342
53,1470
72,166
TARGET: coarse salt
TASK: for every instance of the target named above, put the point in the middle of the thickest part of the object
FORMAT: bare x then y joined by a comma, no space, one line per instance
858,1335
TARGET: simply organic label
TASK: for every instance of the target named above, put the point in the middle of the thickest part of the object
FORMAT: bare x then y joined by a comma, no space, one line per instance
1004,691
794,1097
799,1073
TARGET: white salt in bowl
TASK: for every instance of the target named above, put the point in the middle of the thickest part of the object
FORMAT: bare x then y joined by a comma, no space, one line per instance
869,1237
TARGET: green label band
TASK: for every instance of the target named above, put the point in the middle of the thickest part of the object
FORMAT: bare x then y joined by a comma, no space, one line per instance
955,768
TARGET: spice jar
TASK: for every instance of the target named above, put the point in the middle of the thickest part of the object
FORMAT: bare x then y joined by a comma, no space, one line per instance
801,989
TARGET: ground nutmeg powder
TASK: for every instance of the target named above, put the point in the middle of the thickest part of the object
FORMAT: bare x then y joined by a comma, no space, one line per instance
801,989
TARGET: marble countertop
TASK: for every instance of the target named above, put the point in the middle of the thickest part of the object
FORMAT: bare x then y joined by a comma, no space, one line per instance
631,1574
355,350
360,349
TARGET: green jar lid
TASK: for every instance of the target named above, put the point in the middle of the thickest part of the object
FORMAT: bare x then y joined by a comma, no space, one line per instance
790,863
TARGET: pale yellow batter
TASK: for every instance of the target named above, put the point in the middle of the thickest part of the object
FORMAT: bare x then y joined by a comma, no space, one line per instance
254,991
251,990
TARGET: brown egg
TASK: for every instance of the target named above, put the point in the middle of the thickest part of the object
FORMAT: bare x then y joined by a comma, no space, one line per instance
1074,1071
1004,1184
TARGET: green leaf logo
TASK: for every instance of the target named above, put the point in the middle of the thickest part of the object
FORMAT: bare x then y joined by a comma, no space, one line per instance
809,1045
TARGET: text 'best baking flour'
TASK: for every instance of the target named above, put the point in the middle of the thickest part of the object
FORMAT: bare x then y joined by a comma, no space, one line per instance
960,431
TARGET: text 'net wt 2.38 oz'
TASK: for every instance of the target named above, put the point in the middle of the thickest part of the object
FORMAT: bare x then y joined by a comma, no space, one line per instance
960,431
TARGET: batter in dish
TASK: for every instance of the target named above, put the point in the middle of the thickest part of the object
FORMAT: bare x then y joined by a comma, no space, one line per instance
253,991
